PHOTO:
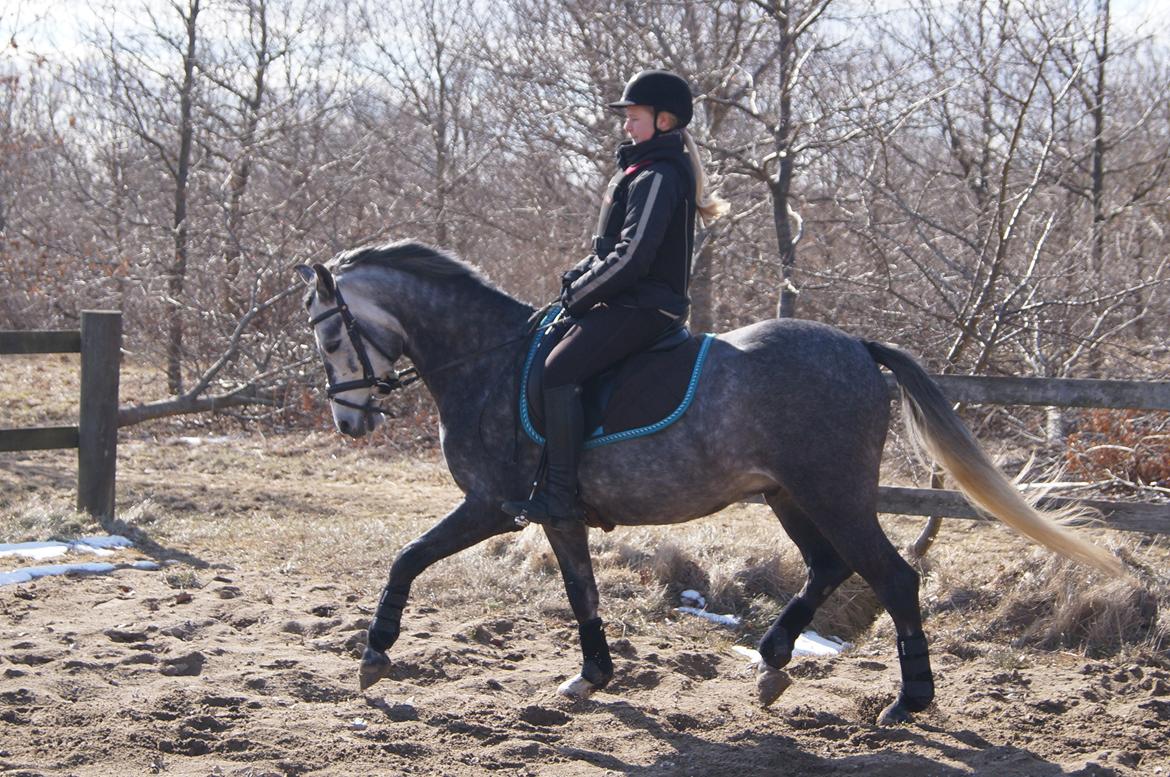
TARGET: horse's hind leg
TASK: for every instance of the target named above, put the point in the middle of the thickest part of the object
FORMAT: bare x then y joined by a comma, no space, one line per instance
858,538
571,546
896,584
826,571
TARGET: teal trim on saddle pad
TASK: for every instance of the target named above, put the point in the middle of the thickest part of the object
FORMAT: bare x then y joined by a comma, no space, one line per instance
598,439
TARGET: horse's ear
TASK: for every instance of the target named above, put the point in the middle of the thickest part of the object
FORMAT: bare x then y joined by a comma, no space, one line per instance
326,287
306,273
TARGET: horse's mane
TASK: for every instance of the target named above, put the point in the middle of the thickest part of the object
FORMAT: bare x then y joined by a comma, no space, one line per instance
408,256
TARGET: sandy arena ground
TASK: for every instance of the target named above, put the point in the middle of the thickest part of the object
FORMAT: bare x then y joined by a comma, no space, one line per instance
239,657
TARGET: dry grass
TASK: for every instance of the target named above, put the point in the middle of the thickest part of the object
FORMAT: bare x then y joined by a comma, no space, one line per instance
1028,598
739,560
41,519
312,504
1055,604
40,390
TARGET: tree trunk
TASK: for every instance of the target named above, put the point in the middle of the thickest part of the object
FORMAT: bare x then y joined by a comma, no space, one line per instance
780,185
241,171
1098,169
786,308
177,277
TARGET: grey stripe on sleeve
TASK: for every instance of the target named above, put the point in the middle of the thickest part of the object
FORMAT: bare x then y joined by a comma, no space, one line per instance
634,241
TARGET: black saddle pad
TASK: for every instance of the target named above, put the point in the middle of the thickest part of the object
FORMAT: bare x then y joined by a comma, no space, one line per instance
641,391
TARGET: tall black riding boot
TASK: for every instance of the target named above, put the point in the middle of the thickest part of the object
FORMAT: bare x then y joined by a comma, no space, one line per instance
564,432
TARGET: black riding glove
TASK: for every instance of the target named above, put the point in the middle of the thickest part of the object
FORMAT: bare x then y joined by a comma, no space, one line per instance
576,271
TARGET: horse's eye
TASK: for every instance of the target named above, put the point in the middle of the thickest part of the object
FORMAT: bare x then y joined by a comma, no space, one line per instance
332,346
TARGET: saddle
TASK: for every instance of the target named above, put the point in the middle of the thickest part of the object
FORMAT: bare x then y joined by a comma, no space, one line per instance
642,394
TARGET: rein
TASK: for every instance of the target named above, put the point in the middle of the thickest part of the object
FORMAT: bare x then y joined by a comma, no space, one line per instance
394,379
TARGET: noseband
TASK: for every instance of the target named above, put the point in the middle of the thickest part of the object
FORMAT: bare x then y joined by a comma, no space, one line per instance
392,381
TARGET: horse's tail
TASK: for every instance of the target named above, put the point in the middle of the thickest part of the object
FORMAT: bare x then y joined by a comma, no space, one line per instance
934,426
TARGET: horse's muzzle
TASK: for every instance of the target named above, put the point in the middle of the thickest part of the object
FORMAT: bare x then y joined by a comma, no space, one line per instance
357,424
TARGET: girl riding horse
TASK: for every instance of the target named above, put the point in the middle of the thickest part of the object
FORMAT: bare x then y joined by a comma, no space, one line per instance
633,287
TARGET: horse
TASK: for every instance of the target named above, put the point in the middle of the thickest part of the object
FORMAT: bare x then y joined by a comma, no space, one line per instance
793,410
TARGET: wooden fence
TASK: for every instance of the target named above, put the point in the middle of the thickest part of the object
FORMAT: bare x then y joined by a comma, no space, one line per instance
1057,392
99,341
100,337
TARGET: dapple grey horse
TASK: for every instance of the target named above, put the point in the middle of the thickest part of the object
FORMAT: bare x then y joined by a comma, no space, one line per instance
793,410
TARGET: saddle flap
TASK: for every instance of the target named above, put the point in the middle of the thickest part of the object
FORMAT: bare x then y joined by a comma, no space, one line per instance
640,392
649,386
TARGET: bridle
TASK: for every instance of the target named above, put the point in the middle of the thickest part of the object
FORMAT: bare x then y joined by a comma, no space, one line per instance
392,381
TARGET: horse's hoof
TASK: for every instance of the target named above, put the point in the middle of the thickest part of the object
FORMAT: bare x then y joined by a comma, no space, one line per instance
578,688
894,715
375,666
770,683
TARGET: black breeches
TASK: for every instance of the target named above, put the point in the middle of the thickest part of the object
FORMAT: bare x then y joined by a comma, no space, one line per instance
601,338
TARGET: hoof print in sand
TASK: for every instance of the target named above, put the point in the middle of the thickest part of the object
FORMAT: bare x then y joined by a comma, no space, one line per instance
189,665
543,716
400,713
126,635
697,666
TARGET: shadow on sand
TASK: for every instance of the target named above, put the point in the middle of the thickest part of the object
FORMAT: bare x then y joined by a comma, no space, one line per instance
876,752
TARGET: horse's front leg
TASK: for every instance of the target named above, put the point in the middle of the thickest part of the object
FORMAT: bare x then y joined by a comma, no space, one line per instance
470,523
571,547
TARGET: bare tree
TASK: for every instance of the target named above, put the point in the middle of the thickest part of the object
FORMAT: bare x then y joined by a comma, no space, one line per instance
425,102
157,106
986,181
248,88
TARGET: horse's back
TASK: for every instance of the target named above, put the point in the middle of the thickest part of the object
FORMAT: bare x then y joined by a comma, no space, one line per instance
805,397
801,360
785,404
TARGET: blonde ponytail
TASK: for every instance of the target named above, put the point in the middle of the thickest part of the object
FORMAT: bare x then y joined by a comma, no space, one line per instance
711,206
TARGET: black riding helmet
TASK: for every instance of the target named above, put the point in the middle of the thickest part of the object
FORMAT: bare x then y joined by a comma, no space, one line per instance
662,91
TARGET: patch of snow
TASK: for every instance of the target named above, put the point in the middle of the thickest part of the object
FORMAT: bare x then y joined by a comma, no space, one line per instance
812,644
807,644
34,550
99,546
693,603
731,621
94,551
209,440
108,542
32,573
751,654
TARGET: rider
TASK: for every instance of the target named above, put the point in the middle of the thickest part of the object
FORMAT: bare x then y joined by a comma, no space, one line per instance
633,287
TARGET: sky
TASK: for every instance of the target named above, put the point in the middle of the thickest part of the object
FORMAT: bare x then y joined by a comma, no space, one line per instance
57,27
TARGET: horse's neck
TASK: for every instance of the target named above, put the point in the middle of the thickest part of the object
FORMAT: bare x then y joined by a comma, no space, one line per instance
458,333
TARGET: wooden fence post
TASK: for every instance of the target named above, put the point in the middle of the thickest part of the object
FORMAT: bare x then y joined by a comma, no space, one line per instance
97,451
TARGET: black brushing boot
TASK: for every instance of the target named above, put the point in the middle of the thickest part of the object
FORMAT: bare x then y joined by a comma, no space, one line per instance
564,431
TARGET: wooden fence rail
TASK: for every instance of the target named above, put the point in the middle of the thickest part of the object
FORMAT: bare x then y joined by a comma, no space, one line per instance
99,341
1055,392
100,337
1058,392
1128,516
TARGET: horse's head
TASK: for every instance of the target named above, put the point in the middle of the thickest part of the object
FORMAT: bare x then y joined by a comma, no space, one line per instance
359,342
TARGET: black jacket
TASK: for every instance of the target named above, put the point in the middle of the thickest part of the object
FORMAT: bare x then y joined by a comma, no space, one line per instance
645,233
